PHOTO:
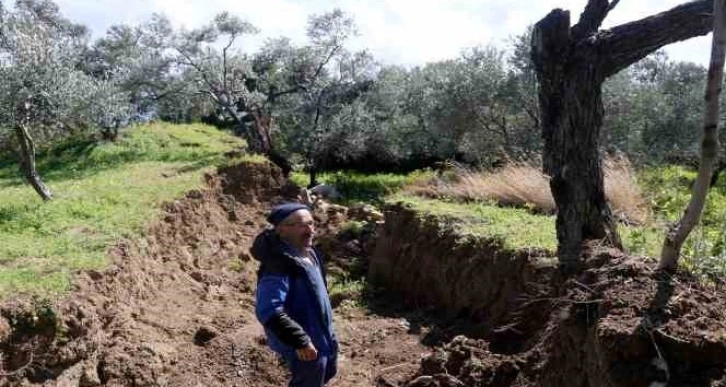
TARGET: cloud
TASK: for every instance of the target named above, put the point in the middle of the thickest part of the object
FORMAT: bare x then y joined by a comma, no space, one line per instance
396,31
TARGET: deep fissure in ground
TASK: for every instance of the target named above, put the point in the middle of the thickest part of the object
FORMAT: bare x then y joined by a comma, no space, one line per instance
176,308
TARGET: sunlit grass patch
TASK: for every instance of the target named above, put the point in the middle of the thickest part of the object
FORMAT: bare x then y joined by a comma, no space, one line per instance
108,192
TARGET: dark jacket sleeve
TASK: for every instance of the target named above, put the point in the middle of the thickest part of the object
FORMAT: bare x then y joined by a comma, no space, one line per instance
287,330
271,295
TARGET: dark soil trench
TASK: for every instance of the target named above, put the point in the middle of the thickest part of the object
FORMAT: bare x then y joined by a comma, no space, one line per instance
177,308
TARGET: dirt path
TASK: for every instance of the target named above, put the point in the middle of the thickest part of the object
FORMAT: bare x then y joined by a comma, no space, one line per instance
177,309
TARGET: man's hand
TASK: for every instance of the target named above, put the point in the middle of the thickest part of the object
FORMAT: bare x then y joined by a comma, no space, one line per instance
309,353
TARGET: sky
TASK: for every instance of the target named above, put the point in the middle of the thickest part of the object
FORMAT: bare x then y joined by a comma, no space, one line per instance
405,32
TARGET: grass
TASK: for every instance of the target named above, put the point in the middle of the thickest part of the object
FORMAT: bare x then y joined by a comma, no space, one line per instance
669,190
108,191
515,205
647,201
351,285
473,201
517,228
103,192
368,188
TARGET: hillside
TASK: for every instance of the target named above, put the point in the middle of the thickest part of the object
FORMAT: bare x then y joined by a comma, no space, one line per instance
105,192
139,274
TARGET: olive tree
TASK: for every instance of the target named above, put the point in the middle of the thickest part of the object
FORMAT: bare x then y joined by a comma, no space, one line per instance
572,62
43,93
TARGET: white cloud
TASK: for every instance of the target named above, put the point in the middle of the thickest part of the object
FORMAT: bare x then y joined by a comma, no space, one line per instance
396,31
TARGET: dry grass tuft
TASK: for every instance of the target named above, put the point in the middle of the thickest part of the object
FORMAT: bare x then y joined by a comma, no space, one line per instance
623,192
524,185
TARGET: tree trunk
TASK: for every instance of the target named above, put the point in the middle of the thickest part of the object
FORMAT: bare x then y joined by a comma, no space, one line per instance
259,139
313,170
571,63
571,112
573,162
27,162
679,231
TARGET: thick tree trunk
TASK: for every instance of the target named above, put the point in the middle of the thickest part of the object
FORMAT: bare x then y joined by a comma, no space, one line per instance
263,128
27,162
572,160
313,171
571,63
259,140
679,231
571,112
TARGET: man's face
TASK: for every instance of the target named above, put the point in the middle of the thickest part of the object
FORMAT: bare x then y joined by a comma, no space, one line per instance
298,229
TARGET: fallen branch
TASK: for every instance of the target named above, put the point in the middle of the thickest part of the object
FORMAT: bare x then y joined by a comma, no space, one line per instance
391,368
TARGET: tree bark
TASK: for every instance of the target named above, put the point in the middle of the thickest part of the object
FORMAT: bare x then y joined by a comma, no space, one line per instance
571,63
679,231
262,128
258,137
27,162
313,175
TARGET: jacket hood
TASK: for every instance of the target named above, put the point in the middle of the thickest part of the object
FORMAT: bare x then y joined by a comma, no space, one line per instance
269,249
266,245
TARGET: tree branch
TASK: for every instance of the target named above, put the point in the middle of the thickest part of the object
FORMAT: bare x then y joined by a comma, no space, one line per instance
592,17
626,44
326,60
200,70
272,97
224,59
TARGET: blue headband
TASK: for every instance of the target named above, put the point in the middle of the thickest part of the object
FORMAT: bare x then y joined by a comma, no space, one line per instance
282,211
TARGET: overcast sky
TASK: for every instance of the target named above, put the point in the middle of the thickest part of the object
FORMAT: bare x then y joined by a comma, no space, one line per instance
407,32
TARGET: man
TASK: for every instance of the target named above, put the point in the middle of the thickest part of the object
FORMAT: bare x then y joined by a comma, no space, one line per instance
292,297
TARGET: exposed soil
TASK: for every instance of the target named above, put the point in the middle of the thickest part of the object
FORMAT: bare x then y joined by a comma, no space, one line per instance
617,322
177,308
427,263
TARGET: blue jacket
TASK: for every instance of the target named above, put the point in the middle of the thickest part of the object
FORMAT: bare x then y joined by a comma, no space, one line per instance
286,283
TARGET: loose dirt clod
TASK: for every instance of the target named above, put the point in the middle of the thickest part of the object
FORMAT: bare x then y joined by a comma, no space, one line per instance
204,335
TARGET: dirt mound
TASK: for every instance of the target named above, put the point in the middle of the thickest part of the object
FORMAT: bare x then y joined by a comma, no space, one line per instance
466,362
139,322
616,323
256,183
177,308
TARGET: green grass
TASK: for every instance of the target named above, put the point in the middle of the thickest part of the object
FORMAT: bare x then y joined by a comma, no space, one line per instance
103,192
668,190
516,228
361,187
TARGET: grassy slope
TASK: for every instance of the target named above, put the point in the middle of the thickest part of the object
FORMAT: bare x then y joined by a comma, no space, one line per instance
103,192
667,191
110,191
519,228
516,227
